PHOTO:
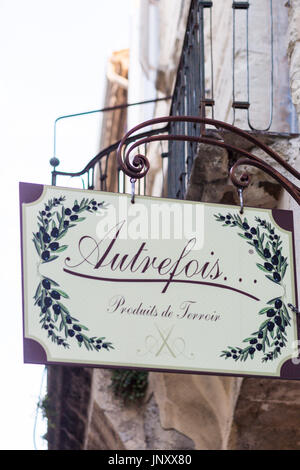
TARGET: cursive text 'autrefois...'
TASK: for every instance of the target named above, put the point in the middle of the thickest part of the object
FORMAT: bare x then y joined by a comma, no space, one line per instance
104,254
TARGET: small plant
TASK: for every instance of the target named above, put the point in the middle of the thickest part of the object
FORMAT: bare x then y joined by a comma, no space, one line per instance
48,412
129,385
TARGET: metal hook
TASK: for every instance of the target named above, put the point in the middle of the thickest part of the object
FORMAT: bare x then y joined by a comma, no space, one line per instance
132,181
240,191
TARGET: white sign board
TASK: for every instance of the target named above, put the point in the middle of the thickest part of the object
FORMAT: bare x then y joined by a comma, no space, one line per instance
159,284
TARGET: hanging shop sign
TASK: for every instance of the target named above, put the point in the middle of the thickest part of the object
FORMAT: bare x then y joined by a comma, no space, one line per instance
159,284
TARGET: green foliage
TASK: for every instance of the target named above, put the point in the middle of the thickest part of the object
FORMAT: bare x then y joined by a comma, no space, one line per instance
48,412
129,385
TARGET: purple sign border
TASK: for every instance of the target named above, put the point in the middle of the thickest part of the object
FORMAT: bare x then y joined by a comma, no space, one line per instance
34,353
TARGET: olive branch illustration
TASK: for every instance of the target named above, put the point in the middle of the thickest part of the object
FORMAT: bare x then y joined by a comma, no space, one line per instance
54,222
271,336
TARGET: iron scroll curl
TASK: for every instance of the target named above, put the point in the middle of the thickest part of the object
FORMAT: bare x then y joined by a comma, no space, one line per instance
138,166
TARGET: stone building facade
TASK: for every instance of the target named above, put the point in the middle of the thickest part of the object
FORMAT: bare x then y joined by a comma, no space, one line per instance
197,411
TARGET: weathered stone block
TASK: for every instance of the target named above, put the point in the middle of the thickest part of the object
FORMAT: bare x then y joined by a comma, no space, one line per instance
211,164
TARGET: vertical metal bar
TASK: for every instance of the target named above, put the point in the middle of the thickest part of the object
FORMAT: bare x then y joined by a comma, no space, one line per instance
211,65
271,71
233,64
145,179
118,181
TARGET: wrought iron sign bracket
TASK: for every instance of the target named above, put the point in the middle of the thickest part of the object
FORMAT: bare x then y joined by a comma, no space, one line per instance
137,166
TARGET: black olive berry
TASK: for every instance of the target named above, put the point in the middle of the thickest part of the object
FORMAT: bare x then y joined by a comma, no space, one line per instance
76,328
253,341
46,284
245,226
276,277
221,216
55,295
227,222
54,232
79,338
227,354
251,350
267,253
270,326
98,346
74,217
271,312
268,266
248,235
66,223
47,302
274,260
95,209
278,320
94,203
260,334
253,230
71,332
255,242
76,208
46,237
56,309
68,211
278,304
259,347
54,246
